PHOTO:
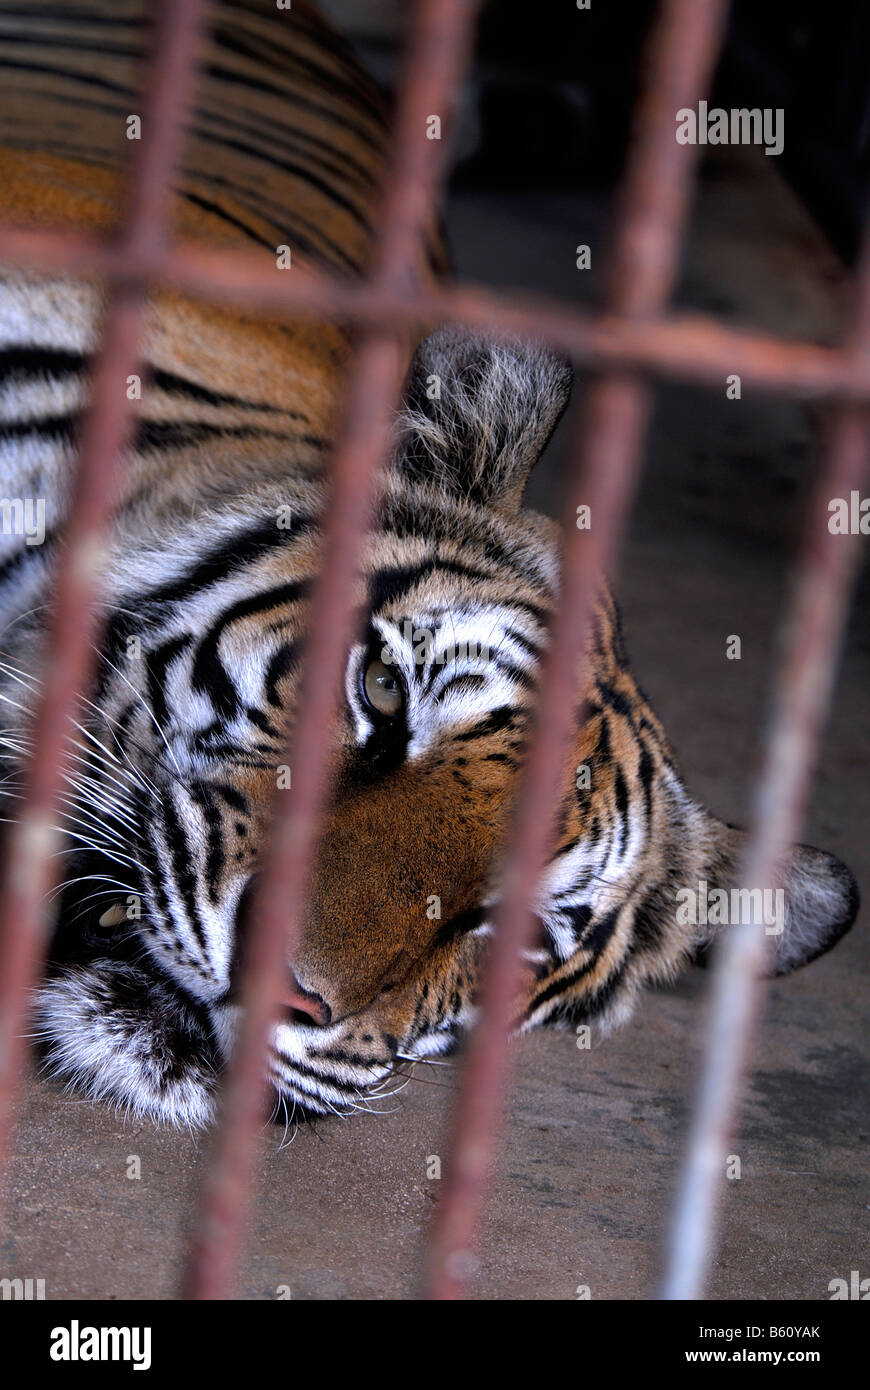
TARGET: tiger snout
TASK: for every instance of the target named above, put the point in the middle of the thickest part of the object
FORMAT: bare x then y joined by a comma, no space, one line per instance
398,869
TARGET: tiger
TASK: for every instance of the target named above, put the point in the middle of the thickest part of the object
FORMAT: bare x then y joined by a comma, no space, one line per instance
176,755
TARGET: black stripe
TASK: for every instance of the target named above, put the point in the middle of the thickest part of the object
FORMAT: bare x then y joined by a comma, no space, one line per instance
651,917
602,748
217,211
306,174
416,519
324,1079
33,359
209,674
87,79
579,918
63,15
585,1008
175,385
615,700
172,434
204,742
325,151
316,245
493,723
525,643
646,773
59,427
386,586
120,727
215,858
341,114
232,796
182,860
46,40
280,663
156,663
234,554
261,721
242,549
468,682
514,672
295,97
601,931
155,874
621,791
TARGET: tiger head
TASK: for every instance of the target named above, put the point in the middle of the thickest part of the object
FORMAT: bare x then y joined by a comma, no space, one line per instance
457,585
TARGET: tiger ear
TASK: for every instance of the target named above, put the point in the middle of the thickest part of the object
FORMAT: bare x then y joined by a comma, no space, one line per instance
478,412
816,905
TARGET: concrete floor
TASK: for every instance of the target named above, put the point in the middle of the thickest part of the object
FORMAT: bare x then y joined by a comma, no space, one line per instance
594,1139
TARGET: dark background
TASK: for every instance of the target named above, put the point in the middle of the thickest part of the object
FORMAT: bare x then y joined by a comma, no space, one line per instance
553,90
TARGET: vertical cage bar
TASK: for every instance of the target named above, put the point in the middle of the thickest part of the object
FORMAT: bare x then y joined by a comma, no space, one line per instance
25,918
811,637
439,42
651,214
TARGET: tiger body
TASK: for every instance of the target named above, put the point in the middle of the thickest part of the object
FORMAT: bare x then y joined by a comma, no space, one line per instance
208,580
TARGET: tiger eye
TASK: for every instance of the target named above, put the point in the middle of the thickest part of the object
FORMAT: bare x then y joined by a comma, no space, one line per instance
382,689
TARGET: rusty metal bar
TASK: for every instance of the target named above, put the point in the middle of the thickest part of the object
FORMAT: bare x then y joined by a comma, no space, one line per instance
680,61
678,346
29,868
439,43
811,639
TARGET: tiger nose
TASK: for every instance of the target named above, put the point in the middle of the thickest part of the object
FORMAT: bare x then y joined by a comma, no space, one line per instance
304,1002
302,1005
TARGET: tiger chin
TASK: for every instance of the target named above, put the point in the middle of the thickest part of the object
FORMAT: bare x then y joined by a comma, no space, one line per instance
184,742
